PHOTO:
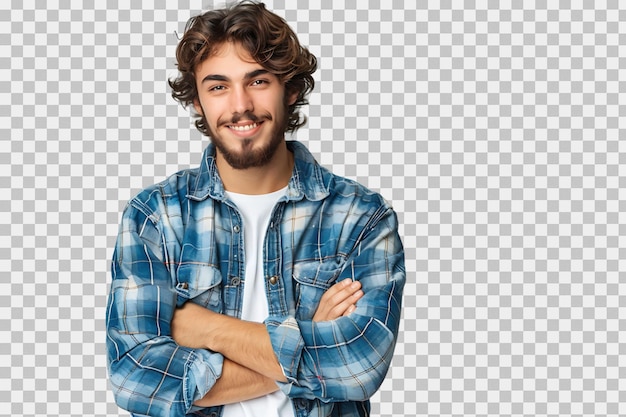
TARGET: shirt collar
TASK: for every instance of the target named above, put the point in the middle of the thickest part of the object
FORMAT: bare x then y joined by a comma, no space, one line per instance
308,180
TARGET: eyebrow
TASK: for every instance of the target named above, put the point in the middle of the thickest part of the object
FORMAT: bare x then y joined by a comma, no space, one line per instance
247,76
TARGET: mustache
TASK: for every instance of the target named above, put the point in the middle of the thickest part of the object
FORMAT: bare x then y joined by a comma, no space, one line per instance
247,115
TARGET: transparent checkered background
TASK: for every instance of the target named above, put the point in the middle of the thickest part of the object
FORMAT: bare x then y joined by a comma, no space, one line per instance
496,128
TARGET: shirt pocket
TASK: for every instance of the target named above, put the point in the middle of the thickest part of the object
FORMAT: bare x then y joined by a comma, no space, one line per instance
313,279
200,283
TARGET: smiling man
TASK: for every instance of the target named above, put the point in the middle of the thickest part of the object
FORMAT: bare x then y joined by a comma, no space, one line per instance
259,283
245,108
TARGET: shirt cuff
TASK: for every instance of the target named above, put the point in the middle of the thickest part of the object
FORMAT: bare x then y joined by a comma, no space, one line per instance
203,369
287,343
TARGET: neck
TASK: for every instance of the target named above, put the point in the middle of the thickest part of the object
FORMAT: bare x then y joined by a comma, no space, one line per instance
258,180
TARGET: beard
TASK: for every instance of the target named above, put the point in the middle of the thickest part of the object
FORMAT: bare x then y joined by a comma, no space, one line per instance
243,155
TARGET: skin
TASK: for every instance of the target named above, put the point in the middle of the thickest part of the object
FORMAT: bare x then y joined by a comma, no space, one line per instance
245,108
250,368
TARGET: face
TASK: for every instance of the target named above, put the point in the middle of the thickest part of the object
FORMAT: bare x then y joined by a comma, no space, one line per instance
245,107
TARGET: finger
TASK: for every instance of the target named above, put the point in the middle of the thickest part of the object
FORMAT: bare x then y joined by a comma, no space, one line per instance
341,307
355,285
346,286
357,296
339,287
354,298
350,310
347,292
337,299
342,292
336,294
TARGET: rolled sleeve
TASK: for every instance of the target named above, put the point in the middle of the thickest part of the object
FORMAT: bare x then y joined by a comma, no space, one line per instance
288,344
149,372
347,359
162,379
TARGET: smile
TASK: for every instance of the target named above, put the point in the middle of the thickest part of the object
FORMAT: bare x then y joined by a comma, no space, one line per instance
243,128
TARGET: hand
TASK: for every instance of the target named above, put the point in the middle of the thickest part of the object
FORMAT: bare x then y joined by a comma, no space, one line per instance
339,300
187,325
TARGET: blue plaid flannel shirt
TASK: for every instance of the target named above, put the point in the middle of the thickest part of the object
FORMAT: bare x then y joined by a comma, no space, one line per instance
181,240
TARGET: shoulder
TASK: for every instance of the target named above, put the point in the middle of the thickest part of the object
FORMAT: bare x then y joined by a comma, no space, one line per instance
154,201
321,184
351,190
354,209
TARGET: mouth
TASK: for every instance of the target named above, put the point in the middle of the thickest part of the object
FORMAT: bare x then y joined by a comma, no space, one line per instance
245,127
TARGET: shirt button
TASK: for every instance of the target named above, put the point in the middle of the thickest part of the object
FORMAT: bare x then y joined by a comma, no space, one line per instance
273,280
236,229
235,281
184,285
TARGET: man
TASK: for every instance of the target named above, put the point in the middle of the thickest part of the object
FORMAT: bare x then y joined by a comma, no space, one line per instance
258,284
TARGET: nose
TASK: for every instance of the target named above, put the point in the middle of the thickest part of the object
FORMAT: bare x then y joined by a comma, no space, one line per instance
241,101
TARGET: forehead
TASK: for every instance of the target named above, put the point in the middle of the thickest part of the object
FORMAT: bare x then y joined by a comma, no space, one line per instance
228,59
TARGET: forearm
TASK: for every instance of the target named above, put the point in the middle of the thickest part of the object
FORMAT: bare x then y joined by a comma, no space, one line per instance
236,384
245,343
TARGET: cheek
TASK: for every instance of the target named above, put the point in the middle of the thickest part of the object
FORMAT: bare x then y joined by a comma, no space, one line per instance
203,106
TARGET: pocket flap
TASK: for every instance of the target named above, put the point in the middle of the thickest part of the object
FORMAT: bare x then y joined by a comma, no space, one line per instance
194,279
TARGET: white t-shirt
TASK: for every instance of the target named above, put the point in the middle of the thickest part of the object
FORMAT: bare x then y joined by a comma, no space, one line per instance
256,211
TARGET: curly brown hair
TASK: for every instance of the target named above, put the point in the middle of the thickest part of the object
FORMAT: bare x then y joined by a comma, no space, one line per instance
267,38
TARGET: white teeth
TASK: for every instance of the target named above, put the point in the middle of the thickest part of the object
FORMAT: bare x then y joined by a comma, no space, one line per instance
244,128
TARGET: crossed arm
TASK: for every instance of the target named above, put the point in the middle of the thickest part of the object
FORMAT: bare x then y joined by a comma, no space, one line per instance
251,368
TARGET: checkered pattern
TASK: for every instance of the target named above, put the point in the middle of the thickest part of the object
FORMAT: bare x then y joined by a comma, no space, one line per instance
495,127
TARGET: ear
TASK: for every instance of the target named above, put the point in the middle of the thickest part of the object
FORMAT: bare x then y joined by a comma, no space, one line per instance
198,107
291,97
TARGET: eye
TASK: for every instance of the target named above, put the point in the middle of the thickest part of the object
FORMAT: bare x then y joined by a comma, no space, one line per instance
260,82
217,88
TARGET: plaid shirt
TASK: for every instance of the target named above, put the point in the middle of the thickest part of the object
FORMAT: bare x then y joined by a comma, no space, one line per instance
182,240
